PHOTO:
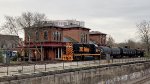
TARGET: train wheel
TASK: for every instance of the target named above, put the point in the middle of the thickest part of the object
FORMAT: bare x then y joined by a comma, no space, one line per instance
82,57
77,58
96,57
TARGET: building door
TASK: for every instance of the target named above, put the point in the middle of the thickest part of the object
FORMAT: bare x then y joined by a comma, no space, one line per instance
46,54
58,53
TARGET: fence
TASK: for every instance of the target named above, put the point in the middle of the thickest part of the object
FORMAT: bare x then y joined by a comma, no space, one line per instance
34,68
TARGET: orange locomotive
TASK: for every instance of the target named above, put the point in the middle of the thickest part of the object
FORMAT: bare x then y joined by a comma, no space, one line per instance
80,51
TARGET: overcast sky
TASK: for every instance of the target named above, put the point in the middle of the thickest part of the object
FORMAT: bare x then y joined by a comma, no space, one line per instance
117,18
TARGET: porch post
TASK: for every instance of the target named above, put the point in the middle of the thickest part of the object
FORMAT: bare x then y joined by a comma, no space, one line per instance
58,53
42,52
61,53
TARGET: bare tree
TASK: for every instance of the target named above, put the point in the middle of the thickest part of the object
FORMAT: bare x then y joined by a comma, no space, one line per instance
144,32
11,26
110,41
131,43
19,24
30,20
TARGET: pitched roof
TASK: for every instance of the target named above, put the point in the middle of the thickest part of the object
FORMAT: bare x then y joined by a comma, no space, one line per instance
69,39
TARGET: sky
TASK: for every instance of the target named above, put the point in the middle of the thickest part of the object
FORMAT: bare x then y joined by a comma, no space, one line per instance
117,18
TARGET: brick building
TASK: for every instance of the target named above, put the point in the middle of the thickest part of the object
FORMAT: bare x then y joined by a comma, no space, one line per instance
98,38
9,41
48,41
76,33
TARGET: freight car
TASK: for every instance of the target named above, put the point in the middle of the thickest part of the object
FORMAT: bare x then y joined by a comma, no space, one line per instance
139,53
104,51
115,52
121,52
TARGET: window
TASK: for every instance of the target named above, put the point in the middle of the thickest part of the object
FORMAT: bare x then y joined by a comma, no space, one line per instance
12,45
28,38
86,38
36,36
45,35
56,36
59,36
81,38
2,46
53,36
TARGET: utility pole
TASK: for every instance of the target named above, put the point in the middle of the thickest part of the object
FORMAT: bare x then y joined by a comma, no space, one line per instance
41,52
29,59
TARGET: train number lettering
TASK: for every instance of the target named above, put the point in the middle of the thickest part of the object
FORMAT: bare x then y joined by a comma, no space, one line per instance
84,49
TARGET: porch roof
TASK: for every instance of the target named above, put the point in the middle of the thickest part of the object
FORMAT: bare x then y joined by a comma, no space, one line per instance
46,44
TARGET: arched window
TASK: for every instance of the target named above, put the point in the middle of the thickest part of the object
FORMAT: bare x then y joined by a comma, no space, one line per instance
56,36
53,36
28,38
59,36
85,38
36,36
81,37
45,35
57,33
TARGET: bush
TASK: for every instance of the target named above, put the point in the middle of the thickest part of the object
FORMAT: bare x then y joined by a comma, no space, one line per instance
147,54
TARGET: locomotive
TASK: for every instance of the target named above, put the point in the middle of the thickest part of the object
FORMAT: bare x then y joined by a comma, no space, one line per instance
81,51
85,51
